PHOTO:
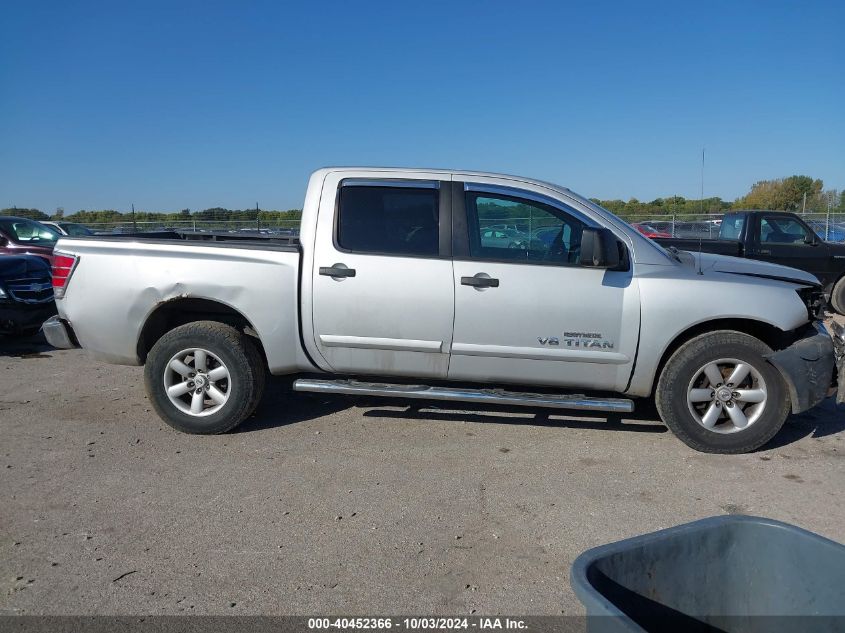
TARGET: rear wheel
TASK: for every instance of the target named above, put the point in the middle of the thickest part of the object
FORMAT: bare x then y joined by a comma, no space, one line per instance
204,377
837,296
718,394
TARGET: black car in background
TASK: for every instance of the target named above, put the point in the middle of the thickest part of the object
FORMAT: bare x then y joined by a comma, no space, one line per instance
778,237
73,229
26,294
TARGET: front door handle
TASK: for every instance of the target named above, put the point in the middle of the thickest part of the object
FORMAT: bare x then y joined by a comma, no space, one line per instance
480,282
337,271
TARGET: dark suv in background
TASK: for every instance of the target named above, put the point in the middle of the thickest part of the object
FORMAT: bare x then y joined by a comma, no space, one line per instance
26,294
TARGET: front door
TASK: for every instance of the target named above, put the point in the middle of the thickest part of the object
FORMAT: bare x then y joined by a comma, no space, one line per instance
526,311
787,241
383,300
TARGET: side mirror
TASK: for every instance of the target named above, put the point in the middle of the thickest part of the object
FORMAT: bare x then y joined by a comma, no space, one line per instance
3,241
600,248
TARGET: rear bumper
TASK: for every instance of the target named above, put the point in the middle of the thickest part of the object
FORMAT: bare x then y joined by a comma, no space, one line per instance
59,333
807,366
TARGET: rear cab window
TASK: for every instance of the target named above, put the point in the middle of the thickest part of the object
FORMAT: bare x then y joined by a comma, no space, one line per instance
731,227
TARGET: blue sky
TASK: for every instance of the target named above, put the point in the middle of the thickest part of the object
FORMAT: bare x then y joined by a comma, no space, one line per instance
197,104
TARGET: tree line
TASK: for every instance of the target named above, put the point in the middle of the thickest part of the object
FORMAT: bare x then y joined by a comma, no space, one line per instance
795,193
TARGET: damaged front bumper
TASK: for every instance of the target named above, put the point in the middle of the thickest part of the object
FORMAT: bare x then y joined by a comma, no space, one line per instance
808,367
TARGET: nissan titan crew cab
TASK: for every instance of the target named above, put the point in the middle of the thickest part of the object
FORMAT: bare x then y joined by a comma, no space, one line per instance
457,286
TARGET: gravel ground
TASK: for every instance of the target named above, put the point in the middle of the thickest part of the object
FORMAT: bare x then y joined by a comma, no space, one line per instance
336,505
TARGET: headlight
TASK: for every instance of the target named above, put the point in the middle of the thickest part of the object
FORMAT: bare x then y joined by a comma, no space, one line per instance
3,294
813,298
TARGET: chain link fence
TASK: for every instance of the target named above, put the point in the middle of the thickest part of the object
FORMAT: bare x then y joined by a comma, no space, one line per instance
829,227
281,227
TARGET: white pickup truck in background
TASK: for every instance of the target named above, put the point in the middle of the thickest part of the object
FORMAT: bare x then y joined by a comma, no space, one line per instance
452,285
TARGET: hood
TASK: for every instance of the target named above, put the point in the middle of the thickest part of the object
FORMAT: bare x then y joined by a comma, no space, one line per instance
21,266
709,262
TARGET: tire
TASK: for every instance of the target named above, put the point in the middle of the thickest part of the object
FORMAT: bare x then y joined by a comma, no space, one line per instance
837,296
685,407
238,386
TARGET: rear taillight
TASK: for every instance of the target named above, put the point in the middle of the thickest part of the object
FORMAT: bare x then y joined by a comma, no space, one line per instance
63,266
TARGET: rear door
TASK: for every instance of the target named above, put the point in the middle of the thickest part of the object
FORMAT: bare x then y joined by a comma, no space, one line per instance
383,301
525,310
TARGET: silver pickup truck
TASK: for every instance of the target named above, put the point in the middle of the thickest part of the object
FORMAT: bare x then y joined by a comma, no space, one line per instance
459,286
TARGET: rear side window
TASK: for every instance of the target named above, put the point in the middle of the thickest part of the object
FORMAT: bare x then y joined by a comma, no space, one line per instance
388,220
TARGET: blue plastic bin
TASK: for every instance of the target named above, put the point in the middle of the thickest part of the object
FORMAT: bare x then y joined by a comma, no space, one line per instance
727,573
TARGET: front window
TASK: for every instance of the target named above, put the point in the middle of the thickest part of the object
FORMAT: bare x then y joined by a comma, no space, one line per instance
508,228
25,231
783,230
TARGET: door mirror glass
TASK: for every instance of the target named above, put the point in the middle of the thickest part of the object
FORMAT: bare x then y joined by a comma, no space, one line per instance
600,248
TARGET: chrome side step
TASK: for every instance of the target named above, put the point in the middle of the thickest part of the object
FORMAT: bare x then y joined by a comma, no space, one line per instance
487,396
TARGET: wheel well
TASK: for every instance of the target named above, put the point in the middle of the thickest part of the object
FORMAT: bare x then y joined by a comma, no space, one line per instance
772,336
176,312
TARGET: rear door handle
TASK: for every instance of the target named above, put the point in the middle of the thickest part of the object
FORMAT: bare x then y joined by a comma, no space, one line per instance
480,282
337,270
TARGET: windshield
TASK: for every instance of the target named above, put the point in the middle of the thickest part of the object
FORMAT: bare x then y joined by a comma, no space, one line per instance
26,231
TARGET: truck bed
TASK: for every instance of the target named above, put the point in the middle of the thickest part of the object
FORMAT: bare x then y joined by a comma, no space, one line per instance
248,240
127,278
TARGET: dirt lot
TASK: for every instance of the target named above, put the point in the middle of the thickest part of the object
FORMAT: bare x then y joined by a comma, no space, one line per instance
334,505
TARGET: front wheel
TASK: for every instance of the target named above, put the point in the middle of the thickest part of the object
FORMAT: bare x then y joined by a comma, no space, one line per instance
204,377
718,394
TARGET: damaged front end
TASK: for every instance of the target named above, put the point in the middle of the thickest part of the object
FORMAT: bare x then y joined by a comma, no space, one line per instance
838,335
808,367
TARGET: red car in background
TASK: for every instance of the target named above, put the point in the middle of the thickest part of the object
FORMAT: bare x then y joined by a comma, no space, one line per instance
650,231
22,236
